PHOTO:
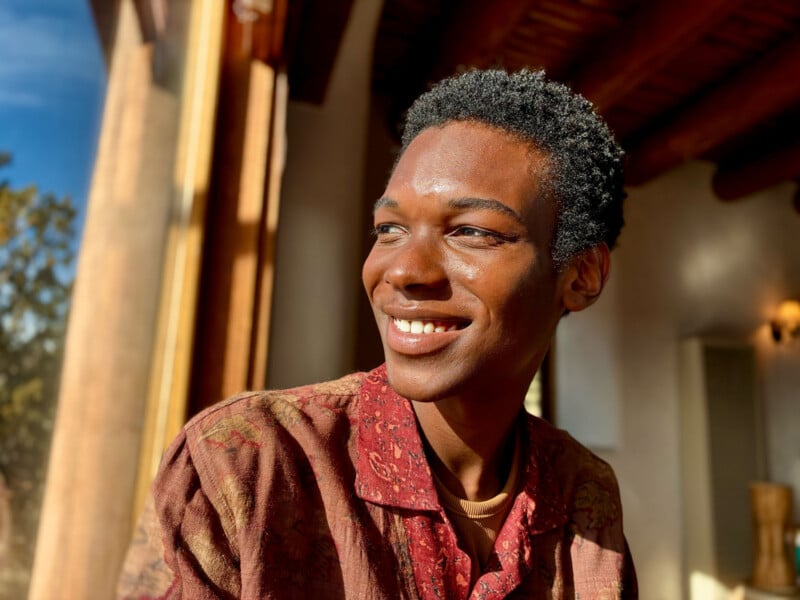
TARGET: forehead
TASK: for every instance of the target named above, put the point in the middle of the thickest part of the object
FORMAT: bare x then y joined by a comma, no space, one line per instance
468,159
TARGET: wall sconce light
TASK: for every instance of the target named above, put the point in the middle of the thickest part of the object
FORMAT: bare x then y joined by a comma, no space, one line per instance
248,11
786,324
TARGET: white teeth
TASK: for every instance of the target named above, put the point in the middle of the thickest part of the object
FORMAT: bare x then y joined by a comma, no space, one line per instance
422,326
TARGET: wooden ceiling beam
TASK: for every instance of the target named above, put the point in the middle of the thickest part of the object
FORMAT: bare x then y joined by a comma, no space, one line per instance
477,34
735,181
315,32
758,92
653,36
105,14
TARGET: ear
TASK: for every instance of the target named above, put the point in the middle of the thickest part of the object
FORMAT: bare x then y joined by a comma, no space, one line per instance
584,278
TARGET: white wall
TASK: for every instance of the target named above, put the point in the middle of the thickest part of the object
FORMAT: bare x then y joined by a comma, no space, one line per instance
318,275
687,265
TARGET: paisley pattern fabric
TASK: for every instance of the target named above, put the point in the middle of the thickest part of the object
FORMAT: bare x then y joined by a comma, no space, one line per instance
325,492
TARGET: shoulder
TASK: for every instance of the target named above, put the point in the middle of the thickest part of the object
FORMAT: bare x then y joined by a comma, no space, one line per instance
258,445
249,435
586,483
244,418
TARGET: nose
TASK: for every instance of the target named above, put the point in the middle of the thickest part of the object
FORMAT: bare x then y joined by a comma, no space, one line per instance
417,265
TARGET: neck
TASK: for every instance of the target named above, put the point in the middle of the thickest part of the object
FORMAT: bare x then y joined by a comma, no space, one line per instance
469,450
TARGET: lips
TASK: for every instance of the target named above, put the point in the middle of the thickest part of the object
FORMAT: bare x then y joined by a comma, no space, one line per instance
422,335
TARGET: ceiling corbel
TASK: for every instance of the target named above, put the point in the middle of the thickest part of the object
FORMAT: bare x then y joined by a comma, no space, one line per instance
758,92
735,181
649,40
796,199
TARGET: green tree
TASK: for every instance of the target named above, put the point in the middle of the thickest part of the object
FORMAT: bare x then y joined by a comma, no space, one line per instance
37,248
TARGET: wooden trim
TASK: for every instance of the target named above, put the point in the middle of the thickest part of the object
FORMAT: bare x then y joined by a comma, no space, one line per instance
240,319
169,379
257,378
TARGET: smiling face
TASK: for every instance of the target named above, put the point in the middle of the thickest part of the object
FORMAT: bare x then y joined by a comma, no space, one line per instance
460,278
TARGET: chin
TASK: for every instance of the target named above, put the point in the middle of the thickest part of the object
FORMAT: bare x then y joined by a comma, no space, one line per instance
426,383
416,384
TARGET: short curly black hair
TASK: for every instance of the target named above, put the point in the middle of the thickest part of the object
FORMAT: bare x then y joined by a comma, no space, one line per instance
585,175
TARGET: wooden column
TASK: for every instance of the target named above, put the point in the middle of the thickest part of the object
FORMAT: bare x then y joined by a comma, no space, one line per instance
86,513
128,323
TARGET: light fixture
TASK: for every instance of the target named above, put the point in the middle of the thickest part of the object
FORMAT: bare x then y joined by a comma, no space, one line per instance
786,324
248,11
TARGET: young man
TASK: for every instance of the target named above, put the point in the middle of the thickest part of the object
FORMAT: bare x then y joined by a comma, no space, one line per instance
424,478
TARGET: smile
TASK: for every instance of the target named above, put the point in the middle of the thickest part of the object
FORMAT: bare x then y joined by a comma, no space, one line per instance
426,327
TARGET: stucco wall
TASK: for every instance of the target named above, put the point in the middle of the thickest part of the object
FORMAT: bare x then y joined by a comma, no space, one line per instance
318,275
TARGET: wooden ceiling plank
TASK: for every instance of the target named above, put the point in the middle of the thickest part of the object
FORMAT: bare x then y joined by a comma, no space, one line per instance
477,33
532,37
737,181
758,92
777,14
563,23
650,39
598,18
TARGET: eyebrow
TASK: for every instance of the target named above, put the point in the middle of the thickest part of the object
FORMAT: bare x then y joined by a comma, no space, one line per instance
384,202
485,204
460,204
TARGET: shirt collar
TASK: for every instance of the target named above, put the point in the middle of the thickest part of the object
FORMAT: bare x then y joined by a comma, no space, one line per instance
391,467
392,470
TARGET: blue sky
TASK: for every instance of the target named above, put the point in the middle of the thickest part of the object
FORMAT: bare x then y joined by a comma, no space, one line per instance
52,86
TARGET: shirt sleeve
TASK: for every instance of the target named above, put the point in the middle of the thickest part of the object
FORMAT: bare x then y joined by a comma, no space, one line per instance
180,549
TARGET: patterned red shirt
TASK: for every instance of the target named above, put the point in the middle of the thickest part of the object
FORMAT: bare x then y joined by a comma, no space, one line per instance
324,492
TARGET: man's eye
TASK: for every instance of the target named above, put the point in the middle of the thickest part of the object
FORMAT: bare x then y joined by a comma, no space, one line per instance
477,232
474,232
385,229
478,237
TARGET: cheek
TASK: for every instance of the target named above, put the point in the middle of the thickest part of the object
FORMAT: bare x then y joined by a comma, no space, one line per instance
470,273
370,271
529,300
